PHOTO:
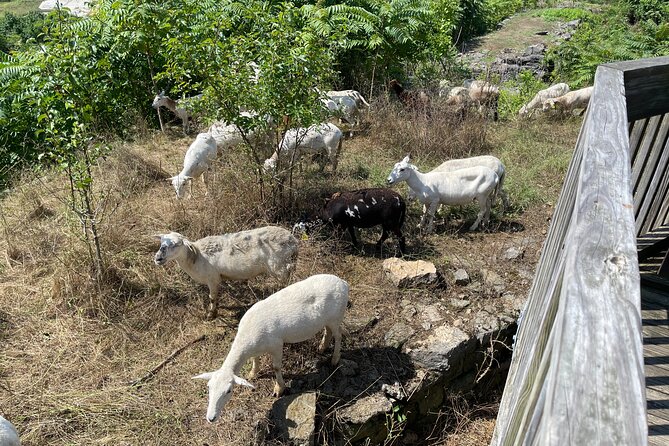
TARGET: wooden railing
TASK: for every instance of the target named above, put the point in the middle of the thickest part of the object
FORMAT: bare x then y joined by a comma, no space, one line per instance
577,373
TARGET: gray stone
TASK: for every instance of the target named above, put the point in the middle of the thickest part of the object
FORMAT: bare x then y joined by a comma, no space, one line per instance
485,323
398,335
493,280
513,253
461,277
294,417
361,414
458,304
395,391
410,274
439,349
431,313
408,313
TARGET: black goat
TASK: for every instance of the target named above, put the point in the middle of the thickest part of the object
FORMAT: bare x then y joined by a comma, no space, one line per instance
362,208
416,99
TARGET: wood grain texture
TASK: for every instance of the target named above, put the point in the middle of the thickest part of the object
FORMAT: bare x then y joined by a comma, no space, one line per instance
577,373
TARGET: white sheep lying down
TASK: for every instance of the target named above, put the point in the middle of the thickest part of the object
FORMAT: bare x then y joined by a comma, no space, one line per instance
198,159
577,99
488,161
538,100
324,138
8,434
240,255
293,314
455,187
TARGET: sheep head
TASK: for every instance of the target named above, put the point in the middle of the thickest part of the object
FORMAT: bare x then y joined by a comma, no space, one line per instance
401,171
220,384
179,182
158,100
170,245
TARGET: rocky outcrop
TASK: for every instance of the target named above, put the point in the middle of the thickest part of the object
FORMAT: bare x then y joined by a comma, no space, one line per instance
411,274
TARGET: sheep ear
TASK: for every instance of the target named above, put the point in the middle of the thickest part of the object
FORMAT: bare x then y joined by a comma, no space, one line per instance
407,159
170,178
242,382
157,236
206,376
186,177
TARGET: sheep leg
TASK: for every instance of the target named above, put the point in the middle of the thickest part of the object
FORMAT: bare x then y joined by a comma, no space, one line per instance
401,240
424,217
432,209
277,356
255,365
484,209
384,236
336,354
327,338
213,301
205,180
351,230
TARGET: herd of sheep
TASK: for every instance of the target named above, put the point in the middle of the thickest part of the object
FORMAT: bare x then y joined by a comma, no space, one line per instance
300,310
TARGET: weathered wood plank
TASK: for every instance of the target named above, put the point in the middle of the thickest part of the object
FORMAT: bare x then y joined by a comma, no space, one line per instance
645,86
637,130
654,178
643,150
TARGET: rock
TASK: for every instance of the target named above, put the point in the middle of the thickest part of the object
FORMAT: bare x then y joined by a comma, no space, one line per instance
513,253
485,323
431,314
461,277
458,304
395,391
294,417
364,418
493,280
411,274
408,313
398,335
439,351
538,48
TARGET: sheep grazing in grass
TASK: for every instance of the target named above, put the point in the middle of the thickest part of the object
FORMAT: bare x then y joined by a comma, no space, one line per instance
181,108
488,161
336,95
455,187
485,96
574,100
415,99
317,139
8,434
293,314
554,91
200,155
228,135
235,256
345,108
362,208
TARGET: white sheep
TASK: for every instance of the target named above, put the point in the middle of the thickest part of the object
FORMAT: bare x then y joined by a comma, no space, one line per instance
293,314
198,159
537,102
577,99
241,255
345,108
8,434
488,161
455,187
336,95
179,107
324,138
228,135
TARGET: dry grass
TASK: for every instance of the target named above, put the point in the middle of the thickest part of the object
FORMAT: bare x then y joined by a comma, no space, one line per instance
70,348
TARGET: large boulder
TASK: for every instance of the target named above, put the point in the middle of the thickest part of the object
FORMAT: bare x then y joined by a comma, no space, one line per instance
411,274
293,419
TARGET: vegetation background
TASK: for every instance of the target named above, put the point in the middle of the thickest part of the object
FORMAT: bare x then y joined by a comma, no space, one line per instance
82,309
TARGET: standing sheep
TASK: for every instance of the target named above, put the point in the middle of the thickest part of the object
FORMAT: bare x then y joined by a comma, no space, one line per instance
199,157
538,100
181,108
293,314
235,256
324,138
8,434
577,99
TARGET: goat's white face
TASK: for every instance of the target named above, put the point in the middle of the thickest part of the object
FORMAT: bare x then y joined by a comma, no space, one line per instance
157,101
220,383
401,171
270,165
179,183
169,244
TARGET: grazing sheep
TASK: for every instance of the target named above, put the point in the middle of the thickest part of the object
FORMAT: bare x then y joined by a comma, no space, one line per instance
345,108
360,101
485,96
235,256
416,99
362,208
574,100
179,107
228,135
293,314
199,156
8,434
553,91
488,161
455,187
316,139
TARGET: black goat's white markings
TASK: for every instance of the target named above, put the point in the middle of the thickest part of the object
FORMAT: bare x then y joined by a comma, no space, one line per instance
383,207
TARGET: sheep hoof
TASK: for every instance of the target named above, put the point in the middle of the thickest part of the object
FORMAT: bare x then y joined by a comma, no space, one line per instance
278,390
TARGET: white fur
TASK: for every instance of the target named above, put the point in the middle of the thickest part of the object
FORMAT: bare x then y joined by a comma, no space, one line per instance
553,91
293,314
336,95
488,161
228,135
241,255
8,434
179,107
571,101
455,187
322,138
197,161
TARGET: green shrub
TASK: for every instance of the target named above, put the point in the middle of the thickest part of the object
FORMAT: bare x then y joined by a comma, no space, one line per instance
516,93
563,14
